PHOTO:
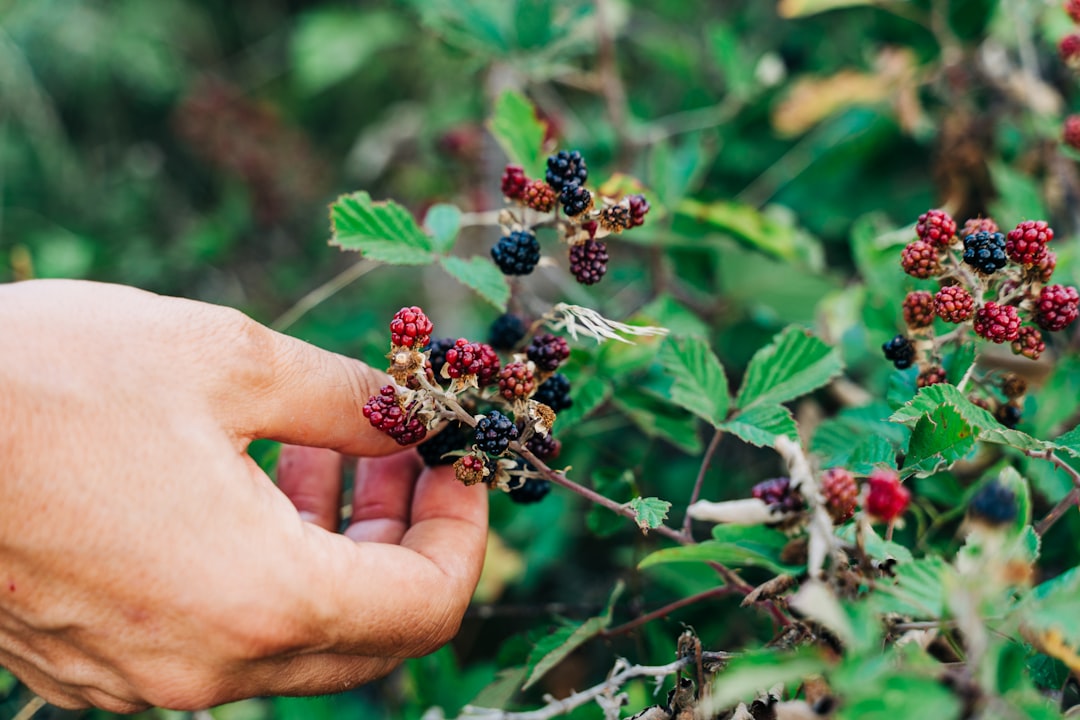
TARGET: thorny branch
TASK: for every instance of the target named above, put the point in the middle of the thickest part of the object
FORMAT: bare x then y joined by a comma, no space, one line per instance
1070,500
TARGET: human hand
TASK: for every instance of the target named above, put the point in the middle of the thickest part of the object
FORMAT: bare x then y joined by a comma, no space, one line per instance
145,559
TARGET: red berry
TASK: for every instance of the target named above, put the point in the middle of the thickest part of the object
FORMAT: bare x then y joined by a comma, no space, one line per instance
887,499
410,328
1057,307
384,412
919,309
920,259
489,366
1069,49
930,376
1072,8
778,494
997,323
1070,131
516,381
1026,243
976,225
548,351
639,206
936,227
840,492
514,182
464,358
471,469
540,196
1043,270
1029,343
953,304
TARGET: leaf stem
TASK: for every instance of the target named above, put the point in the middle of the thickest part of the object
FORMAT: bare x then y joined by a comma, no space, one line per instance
1070,500
696,493
668,609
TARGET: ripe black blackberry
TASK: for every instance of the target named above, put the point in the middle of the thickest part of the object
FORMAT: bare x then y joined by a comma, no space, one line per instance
985,252
588,261
900,351
532,490
545,447
516,253
548,351
778,494
437,357
494,432
566,167
555,392
1009,415
506,332
575,199
455,437
994,504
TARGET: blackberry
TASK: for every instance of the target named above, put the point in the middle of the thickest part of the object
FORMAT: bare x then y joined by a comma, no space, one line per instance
639,207
778,494
985,252
514,182
997,323
1070,131
615,219
437,354
385,413
1026,243
919,309
1057,307
575,199
936,227
887,499
410,328
900,351
953,304
516,382
545,447
1029,343
993,504
1013,386
454,437
494,432
531,490
1069,50
555,392
920,259
464,358
540,196
516,253
1043,270
840,492
566,168
1008,415
489,366
548,351
979,224
506,332
930,376
472,469
588,261
1072,9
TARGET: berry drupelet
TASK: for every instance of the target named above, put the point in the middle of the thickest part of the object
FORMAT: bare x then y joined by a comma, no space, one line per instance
840,492
548,351
554,392
531,490
588,261
506,332
936,227
919,309
514,182
920,259
993,504
985,252
564,168
516,253
1057,307
953,304
494,432
433,451
900,351
997,323
887,498
385,413
1029,343
575,199
410,328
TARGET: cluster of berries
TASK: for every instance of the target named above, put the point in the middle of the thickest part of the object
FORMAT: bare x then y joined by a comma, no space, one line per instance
885,498
1069,50
446,380
586,220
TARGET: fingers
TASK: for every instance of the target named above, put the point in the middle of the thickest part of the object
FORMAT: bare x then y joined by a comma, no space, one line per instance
382,497
311,479
322,674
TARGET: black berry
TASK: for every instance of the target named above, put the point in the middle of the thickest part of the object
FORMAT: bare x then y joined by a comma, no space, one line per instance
437,357
548,351
779,495
555,392
1009,415
506,332
494,432
993,504
455,437
566,168
516,253
575,199
985,252
530,491
900,351
588,261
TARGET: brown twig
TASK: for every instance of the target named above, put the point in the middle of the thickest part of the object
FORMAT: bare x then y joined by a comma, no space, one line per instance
696,493
611,84
668,609
1070,500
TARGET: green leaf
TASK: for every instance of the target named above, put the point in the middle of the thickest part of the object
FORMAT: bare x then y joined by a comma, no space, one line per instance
479,274
700,384
793,364
901,697
656,417
799,8
649,512
772,232
1069,442
588,394
382,231
552,649
876,546
443,221
330,44
614,485
749,673
500,691
917,589
1054,606
761,425
940,438
736,545
518,131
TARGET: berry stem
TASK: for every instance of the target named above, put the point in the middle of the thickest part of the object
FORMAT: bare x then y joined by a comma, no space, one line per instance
695,494
1073,498
668,609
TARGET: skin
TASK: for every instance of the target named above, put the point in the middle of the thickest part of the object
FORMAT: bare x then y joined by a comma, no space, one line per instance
145,560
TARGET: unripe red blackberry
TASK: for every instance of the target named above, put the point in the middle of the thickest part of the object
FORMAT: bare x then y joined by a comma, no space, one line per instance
472,469
575,199
1026,243
920,259
514,182
1013,386
900,351
953,304
639,206
993,504
494,432
385,413
841,493
778,494
554,392
1070,131
615,219
930,376
516,381
979,224
516,253
1029,343
566,168
545,447
506,332
1043,270
997,323
588,261
919,309
547,351
887,498
434,450
936,227
1057,307
540,196
489,366
985,252
1069,50
1072,8
464,358
531,490
410,328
